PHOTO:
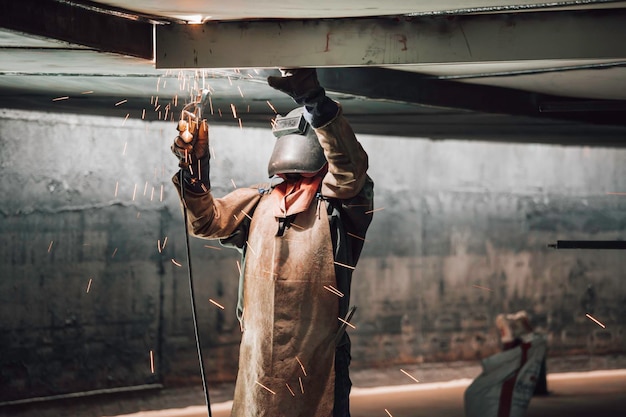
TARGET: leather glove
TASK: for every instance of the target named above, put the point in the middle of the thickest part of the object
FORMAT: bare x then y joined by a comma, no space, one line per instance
299,83
191,147
302,85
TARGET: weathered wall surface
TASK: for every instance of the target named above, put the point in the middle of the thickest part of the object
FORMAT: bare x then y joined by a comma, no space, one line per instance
91,234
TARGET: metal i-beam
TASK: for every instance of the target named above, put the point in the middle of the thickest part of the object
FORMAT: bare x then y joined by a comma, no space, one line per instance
410,87
588,34
81,25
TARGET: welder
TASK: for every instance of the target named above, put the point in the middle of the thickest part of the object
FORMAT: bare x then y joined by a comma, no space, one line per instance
300,236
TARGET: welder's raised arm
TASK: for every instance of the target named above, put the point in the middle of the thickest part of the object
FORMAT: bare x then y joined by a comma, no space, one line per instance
208,217
347,160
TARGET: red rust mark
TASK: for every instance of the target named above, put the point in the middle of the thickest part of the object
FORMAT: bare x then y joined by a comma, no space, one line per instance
402,39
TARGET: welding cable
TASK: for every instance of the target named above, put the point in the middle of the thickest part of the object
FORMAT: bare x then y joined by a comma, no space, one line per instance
193,301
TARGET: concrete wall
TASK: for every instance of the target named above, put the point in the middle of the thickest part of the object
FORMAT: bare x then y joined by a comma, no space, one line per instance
91,234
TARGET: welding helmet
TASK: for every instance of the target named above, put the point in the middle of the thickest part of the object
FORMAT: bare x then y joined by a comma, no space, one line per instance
297,150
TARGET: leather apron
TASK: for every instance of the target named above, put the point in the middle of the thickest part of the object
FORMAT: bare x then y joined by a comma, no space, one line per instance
286,363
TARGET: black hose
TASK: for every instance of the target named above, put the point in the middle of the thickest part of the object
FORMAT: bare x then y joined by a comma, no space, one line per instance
191,293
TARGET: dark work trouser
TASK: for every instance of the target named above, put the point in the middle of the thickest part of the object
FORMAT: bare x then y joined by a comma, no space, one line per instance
342,381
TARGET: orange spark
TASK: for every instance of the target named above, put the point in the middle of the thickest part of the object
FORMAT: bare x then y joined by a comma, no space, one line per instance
89,285
87,92
482,288
271,107
297,226
233,182
117,183
347,323
114,252
263,386
61,98
375,210
250,247
301,386
293,394
217,304
212,247
301,366
134,192
388,413
409,375
596,321
333,290
50,246
356,236
121,102
175,263
234,110
344,265
152,361
125,118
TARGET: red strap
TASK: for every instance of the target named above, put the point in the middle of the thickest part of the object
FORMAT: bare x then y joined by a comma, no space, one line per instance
506,394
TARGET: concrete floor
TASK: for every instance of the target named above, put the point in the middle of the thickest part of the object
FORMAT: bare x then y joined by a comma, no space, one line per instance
575,394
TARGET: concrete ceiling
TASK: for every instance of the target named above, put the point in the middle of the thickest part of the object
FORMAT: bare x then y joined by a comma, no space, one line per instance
511,71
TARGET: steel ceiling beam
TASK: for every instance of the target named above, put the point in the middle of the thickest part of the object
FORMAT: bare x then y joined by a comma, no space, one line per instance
588,34
105,31
410,87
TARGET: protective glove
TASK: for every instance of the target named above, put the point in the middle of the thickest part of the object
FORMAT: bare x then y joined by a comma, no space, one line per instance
191,147
302,85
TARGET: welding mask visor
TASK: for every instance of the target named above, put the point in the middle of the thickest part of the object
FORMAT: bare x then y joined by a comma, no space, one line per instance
297,149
